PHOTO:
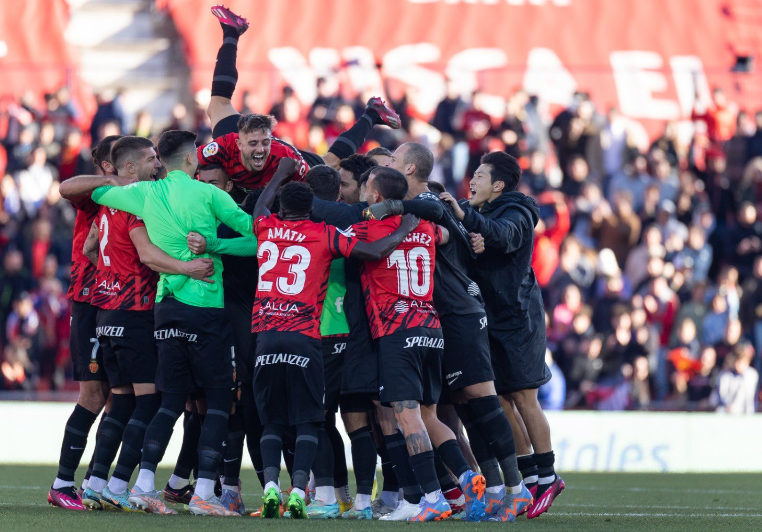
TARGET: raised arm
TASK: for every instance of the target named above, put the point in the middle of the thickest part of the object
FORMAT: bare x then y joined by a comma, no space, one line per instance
286,168
90,249
158,261
384,246
426,209
77,188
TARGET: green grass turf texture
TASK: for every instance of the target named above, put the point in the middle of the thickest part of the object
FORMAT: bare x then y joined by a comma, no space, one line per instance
594,501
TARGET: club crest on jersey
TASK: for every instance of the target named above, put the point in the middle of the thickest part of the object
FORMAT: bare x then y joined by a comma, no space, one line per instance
211,149
424,341
285,233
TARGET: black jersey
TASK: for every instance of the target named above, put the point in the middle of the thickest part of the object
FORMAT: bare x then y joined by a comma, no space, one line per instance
239,274
454,291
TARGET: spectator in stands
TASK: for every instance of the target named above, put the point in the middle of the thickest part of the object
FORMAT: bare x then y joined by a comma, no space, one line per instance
737,387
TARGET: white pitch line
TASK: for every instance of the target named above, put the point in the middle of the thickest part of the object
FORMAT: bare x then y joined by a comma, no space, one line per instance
633,514
23,488
666,490
659,506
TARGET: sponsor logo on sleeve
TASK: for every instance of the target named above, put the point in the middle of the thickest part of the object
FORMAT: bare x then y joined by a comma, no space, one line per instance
211,149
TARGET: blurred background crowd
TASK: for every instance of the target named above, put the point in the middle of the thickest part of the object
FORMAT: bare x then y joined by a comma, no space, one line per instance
649,254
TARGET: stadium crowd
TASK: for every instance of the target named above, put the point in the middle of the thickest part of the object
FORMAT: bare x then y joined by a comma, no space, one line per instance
649,256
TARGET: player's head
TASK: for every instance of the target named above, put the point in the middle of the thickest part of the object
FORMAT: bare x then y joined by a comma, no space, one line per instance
295,201
135,157
381,155
351,170
498,173
436,188
255,135
102,155
177,150
215,174
415,161
324,182
385,183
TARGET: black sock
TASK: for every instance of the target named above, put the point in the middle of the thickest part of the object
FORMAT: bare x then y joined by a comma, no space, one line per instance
340,473
304,454
78,427
253,435
403,470
187,461
160,429
225,72
289,449
444,476
213,432
234,448
545,470
350,141
146,407
364,459
453,457
487,462
110,433
271,445
490,421
387,469
90,465
425,472
323,466
528,469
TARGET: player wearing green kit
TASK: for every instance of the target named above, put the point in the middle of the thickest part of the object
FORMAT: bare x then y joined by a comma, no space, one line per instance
193,334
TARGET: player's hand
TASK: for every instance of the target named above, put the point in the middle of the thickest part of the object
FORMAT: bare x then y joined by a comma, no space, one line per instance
196,243
409,222
477,242
447,198
200,269
379,211
287,167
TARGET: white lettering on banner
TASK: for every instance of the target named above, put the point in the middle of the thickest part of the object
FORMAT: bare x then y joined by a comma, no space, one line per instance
558,3
547,77
636,79
463,67
109,330
403,63
688,73
295,71
165,334
282,358
424,341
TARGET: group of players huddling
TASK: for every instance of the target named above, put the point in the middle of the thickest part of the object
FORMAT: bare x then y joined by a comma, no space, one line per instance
377,294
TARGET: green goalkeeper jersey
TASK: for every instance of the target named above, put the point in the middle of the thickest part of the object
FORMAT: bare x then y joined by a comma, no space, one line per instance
171,208
333,321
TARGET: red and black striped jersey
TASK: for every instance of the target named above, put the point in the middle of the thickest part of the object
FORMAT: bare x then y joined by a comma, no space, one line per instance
122,281
294,263
82,270
399,289
224,151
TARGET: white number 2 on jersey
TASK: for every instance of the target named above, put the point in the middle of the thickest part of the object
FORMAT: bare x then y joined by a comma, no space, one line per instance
285,285
408,273
104,240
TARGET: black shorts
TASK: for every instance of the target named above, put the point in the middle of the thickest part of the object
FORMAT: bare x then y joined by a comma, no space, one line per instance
195,346
288,378
334,348
360,364
518,368
410,366
466,359
229,124
244,341
129,350
86,354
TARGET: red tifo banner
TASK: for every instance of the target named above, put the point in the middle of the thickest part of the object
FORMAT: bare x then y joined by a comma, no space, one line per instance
646,57
34,55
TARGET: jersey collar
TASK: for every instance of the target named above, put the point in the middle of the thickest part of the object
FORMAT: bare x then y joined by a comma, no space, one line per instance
177,173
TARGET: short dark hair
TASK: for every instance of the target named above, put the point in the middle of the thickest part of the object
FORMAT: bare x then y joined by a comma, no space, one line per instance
421,157
504,168
357,165
102,151
249,123
296,198
211,166
436,187
389,182
379,150
324,182
173,143
126,148
250,201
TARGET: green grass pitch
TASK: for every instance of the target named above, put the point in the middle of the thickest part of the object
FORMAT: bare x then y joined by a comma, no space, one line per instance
592,501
